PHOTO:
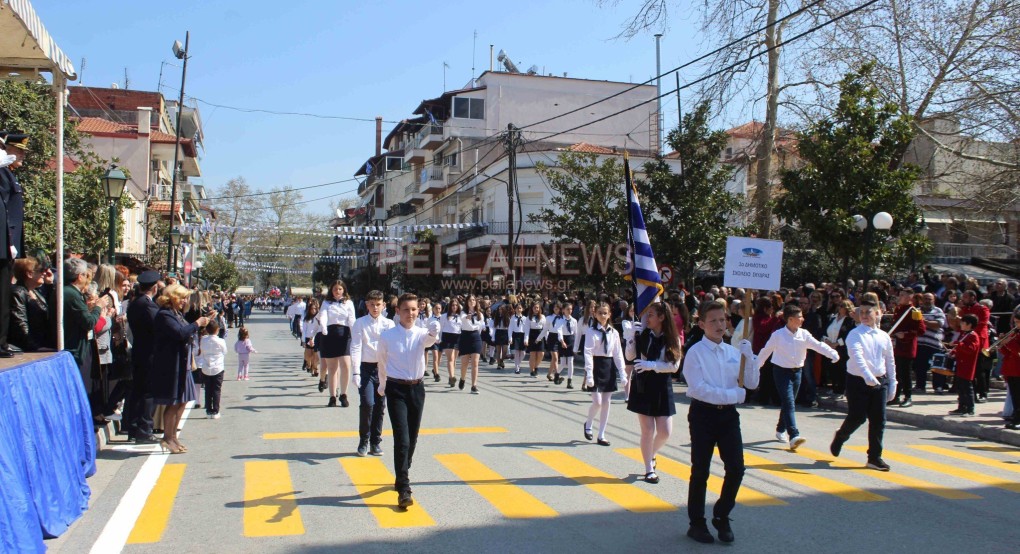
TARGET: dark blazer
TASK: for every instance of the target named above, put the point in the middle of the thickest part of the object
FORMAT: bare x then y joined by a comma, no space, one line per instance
78,321
141,315
170,370
29,327
7,181
14,199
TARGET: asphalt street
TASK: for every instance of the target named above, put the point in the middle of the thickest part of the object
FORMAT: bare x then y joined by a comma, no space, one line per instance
508,470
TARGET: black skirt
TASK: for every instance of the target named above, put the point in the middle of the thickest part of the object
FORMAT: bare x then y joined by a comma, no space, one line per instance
567,352
535,345
604,374
518,342
651,394
470,343
552,343
450,341
318,343
503,337
336,342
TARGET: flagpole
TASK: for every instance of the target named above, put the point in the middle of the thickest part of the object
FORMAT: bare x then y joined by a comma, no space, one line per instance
628,184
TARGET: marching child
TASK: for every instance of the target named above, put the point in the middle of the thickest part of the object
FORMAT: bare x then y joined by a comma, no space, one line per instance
518,334
534,337
212,350
603,364
966,353
564,330
244,350
309,329
365,363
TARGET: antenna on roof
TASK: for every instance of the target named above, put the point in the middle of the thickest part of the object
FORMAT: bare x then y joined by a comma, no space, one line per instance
474,45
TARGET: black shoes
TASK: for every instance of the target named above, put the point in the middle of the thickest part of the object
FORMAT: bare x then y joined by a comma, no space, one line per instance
460,385
1012,426
362,449
332,402
474,389
651,477
453,382
722,525
961,412
435,375
603,442
549,377
836,447
569,386
404,500
376,450
343,401
150,439
558,379
322,386
878,465
699,532
5,353
906,403
587,433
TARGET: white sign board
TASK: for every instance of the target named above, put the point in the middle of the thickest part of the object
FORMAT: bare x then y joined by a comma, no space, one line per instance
753,263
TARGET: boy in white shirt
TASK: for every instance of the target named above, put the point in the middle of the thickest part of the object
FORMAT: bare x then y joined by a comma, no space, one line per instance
365,367
788,347
211,351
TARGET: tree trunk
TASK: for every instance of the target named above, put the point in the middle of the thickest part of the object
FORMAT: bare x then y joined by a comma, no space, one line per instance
767,141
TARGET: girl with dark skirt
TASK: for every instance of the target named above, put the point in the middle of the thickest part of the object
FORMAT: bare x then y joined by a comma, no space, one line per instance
336,317
433,353
470,344
552,342
535,334
518,335
424,318
587,321
603,364
450,328
310,330
656,354
501,333
568,327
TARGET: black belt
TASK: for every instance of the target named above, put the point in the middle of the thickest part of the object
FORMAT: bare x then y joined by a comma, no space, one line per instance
409,383
696,402
371,365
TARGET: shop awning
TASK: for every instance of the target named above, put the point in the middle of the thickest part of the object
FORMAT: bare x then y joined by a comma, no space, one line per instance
25,44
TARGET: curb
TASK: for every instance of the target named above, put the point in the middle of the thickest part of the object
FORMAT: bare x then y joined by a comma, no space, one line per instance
938,423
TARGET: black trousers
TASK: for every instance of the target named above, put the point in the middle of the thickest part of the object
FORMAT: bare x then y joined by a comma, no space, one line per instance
5,300
983,375
213,388
406,404
712,427
1014,395
139,407
965,394
865,403
373,407
904,373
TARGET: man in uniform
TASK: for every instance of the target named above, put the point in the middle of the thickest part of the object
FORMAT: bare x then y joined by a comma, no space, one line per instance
11,225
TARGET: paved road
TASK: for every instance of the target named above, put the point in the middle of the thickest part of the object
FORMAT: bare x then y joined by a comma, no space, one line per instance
508,470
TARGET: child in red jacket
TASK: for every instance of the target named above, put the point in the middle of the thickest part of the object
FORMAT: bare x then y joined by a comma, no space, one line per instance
966,353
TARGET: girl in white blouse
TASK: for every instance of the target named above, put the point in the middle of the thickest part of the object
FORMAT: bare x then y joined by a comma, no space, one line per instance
518,336
336,317
450,327
587,320
534,336
424,318
566,329
433,352
470,345
603,364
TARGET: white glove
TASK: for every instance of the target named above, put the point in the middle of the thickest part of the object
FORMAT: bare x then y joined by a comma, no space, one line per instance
745,348
891,393
434,328
835,359
629,332
357,380
642,365
589,380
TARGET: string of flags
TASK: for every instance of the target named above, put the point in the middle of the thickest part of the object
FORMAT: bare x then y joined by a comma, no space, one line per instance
255,266
390,229
313,256
214,229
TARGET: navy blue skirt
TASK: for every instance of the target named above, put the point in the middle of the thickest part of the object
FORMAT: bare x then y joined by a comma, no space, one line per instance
517,342
450,341
503,337
567,352
604,373
470,343
535,345
336,342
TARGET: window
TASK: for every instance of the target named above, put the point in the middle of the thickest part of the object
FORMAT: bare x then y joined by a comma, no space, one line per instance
451,160
469,108
394,163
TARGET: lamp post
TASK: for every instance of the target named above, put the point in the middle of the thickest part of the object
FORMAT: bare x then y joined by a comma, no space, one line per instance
113,183
881,221
922,232
175,241
180,54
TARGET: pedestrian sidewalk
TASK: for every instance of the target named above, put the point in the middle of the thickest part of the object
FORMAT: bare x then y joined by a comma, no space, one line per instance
931,411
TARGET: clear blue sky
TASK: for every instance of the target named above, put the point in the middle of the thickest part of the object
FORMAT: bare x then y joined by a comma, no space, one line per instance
358,59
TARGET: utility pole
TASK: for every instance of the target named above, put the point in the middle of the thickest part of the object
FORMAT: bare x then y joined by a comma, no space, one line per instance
512,141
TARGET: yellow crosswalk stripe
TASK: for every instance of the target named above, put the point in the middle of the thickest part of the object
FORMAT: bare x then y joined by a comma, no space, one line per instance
666,466
155,514
511,501
894,478
375,485
269,506
387,432
953,471
968,457
623,494
810,480
995,448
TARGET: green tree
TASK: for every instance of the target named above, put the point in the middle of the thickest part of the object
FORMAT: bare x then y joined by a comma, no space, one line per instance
853,168
218,269
588,199
29,108
689,216
424,242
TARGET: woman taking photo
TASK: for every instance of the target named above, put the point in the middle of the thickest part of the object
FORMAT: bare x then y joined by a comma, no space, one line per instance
29,318
170,378
470,343
656,354
336,317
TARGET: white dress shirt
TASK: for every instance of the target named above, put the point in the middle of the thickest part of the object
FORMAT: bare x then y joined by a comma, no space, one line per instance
658,365
565,326
531,324
870,355
450,324
518,324
595,346
422,321
711,371
789,350
214,350
335,313
582,329
402,352
471,322
832,332
310,328
296,309
365,340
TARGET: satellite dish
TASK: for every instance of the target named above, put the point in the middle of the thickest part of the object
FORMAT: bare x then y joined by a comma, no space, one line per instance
339,213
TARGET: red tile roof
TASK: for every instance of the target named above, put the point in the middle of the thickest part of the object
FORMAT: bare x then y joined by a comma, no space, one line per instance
590,149
103,127
163,206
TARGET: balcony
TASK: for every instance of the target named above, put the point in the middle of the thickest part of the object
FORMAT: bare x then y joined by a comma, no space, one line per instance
414,154
429,137
953,252
412,195
431,180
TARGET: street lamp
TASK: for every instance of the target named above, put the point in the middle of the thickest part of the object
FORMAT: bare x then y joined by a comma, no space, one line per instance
881,221
180,54
113,183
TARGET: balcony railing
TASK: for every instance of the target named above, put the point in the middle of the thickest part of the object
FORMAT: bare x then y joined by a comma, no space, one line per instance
429,133
966,251
410,189
526,227
430,174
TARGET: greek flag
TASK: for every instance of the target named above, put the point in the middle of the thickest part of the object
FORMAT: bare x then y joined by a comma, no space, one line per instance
644,273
